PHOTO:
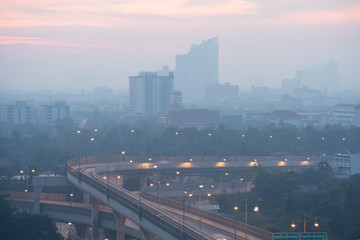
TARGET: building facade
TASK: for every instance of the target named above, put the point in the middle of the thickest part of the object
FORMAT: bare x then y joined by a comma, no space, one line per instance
150,93
347,115
197,69
16,114
49,114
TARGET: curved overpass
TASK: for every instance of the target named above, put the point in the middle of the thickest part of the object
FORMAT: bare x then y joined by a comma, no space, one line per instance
88,175
127,205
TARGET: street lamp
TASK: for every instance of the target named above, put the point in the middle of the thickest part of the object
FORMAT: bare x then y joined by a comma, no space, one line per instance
27,176
159,184
123,156
200,187
235,210
256,209
183,208
71,197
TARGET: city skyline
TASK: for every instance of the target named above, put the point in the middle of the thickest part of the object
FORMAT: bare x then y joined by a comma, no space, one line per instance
66,46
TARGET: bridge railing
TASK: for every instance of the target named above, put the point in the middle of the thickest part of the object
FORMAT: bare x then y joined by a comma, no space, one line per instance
221,220
146,211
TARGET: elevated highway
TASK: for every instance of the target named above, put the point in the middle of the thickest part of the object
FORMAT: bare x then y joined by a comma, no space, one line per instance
93,175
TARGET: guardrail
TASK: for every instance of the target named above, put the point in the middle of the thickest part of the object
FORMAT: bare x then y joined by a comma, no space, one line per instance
221,220
121,196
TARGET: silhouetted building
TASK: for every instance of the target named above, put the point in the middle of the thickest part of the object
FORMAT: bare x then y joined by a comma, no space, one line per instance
103,93
199,118
284,116
289,85
321,77
347,115
49,114
150,93
197,69
219,93
17,114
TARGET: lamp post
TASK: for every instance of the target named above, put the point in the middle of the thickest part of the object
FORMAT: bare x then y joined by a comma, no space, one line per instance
235,210
27,176
183,208
256,209
200,187
123,156
159,184
293,225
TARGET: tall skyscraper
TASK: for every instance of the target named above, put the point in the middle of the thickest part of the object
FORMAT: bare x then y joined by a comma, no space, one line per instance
197,69
150,93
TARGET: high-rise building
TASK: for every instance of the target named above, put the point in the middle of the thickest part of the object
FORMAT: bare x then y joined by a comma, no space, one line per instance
16,114
321,77
151,93
49,114
197,69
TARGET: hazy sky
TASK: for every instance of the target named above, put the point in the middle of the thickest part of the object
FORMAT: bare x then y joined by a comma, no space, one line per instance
67,44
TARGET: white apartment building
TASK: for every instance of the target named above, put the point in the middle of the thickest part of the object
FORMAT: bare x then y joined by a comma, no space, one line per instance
49,114
16,114
150,93
347,115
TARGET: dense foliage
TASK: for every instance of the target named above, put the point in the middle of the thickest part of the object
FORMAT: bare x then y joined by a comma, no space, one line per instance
25,226
49,149
284,197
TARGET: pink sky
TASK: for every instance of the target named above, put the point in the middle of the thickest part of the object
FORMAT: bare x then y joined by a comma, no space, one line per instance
113,39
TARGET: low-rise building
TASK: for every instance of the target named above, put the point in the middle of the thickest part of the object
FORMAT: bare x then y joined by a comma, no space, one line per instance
347,115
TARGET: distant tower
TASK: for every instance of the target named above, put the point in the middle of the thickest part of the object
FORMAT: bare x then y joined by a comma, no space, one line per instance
197,69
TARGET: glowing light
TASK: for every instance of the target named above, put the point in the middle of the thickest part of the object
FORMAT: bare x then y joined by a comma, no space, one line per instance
177,173
281,164
236,208
118,177
293,225
304,163
220,164
256,208
185,165
253,164
316,224
243,135
132,130
131,161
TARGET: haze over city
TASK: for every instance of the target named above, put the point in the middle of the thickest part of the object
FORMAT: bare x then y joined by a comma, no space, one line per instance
67,46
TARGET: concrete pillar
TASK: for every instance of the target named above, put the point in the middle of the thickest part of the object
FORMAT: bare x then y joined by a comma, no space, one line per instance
86,198
146,235
219,176
181,178
95,219
80,230
120,226
143,180
37,193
